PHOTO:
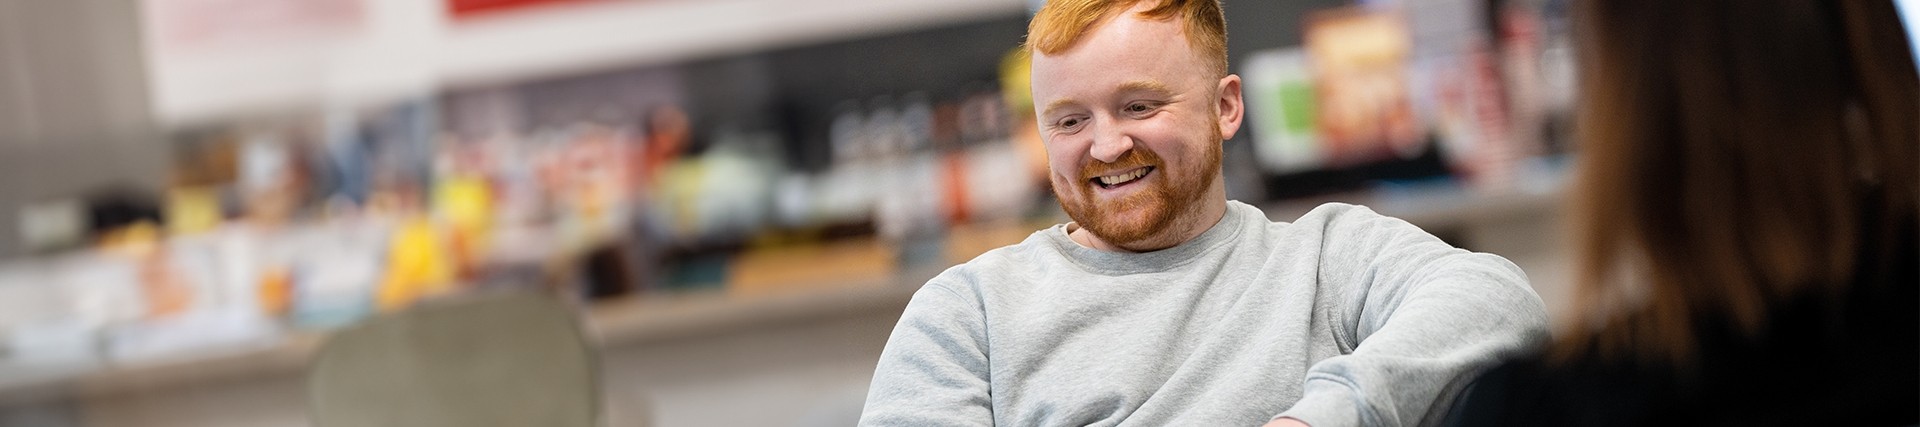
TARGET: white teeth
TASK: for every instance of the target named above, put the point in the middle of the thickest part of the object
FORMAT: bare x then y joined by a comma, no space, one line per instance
1123,178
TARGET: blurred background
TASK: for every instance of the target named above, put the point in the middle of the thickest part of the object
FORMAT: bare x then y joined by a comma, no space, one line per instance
736,197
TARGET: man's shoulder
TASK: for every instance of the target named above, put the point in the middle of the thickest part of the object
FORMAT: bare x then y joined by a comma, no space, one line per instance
1340,218
998,265
1029,250
1321,217
1337,211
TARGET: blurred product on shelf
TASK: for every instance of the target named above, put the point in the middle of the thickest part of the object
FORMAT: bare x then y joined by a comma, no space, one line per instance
1279,87
1359,66
417,266
1016,91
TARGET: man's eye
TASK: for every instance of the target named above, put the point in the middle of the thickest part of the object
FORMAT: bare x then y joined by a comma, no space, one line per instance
1139,108
1068,123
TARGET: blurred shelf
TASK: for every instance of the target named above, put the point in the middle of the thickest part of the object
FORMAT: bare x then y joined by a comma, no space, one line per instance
653,319
665,317
88,379
624,322
408,48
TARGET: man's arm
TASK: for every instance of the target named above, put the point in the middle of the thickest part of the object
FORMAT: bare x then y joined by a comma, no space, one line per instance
1420,316
934,369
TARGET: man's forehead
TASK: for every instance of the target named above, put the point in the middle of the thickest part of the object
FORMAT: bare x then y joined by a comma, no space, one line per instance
1127,53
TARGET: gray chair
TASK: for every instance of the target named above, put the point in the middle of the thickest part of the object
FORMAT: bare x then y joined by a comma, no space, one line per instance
496,360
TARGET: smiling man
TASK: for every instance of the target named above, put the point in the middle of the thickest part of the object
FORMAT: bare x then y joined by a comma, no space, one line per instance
1163,303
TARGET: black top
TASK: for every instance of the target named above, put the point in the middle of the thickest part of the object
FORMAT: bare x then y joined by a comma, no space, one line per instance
1851,361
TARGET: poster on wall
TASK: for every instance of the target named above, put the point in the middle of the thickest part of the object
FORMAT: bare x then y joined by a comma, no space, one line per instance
1359,60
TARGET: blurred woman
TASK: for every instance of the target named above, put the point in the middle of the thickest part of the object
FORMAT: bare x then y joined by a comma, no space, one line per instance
1746,223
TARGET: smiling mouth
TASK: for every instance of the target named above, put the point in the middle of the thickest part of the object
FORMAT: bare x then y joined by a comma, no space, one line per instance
1122,178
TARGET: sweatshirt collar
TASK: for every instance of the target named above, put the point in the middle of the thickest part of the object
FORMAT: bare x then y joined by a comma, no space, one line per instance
1121,263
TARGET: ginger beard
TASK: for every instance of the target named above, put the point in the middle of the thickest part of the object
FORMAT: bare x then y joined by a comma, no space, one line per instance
1143,214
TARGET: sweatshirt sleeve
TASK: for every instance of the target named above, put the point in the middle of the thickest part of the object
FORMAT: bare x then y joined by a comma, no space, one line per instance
1419,316
933,371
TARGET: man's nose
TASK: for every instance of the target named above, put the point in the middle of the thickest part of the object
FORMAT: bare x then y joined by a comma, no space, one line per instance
1109,143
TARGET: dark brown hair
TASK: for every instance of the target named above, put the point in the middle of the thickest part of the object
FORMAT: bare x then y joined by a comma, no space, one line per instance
1735,154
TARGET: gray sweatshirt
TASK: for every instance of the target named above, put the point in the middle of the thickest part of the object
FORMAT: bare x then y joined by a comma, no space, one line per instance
1342,318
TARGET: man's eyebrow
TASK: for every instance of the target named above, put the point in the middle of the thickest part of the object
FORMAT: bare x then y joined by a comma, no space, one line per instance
1145,86
1057,104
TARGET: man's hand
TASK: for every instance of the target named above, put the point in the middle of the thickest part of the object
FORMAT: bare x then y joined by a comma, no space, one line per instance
1286,422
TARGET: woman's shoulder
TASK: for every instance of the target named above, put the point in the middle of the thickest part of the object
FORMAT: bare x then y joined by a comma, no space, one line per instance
1807,366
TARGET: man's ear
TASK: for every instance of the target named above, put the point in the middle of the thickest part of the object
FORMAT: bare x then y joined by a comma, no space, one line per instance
1231,108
